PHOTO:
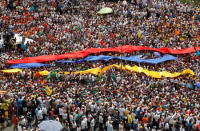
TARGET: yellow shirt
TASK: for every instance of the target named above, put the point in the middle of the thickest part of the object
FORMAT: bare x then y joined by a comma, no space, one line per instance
126,112
5,106
6,114
130,120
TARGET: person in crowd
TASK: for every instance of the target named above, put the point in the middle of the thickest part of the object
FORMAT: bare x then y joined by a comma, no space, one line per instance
15,121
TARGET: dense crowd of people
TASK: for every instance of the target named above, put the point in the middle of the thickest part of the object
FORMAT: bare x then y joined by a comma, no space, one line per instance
117,99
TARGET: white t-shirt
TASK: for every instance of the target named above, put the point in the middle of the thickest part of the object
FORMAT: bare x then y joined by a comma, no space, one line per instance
83,124
61,112
121,127
64,116
166,126
23,122
100,119
74,125
121,111
40,115
92,107
92,122
44,110
109,127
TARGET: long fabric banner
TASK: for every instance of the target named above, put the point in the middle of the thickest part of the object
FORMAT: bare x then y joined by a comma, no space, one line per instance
28,65
2,92
131,58
96,71
153,74
84,53
12,70
101,57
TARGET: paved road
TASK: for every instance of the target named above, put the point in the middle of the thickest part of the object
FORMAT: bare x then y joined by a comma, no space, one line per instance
10,128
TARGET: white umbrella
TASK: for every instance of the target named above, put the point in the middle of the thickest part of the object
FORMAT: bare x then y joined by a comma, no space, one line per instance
50,125
105,10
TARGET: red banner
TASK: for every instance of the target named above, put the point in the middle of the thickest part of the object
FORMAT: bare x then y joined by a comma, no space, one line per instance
84,53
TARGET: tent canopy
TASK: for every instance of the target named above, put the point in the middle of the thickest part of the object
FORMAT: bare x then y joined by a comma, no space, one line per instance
105,10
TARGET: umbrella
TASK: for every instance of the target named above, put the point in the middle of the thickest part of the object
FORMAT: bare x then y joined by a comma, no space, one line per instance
105,10
50,125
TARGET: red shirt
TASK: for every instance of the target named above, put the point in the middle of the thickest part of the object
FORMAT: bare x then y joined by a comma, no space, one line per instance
51,113
37,75
15,120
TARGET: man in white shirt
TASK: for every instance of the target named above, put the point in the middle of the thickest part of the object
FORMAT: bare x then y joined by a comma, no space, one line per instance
61,112
74,125
64,116
40,115
85,119
109,126
92,107
83,125
92,124
121,113
101,121
135,124
23,122
167,126
44,111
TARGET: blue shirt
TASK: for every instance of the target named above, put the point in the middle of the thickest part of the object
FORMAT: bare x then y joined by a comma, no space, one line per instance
19,103
36,111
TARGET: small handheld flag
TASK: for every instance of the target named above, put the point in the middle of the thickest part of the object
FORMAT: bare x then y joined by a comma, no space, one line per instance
48,91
